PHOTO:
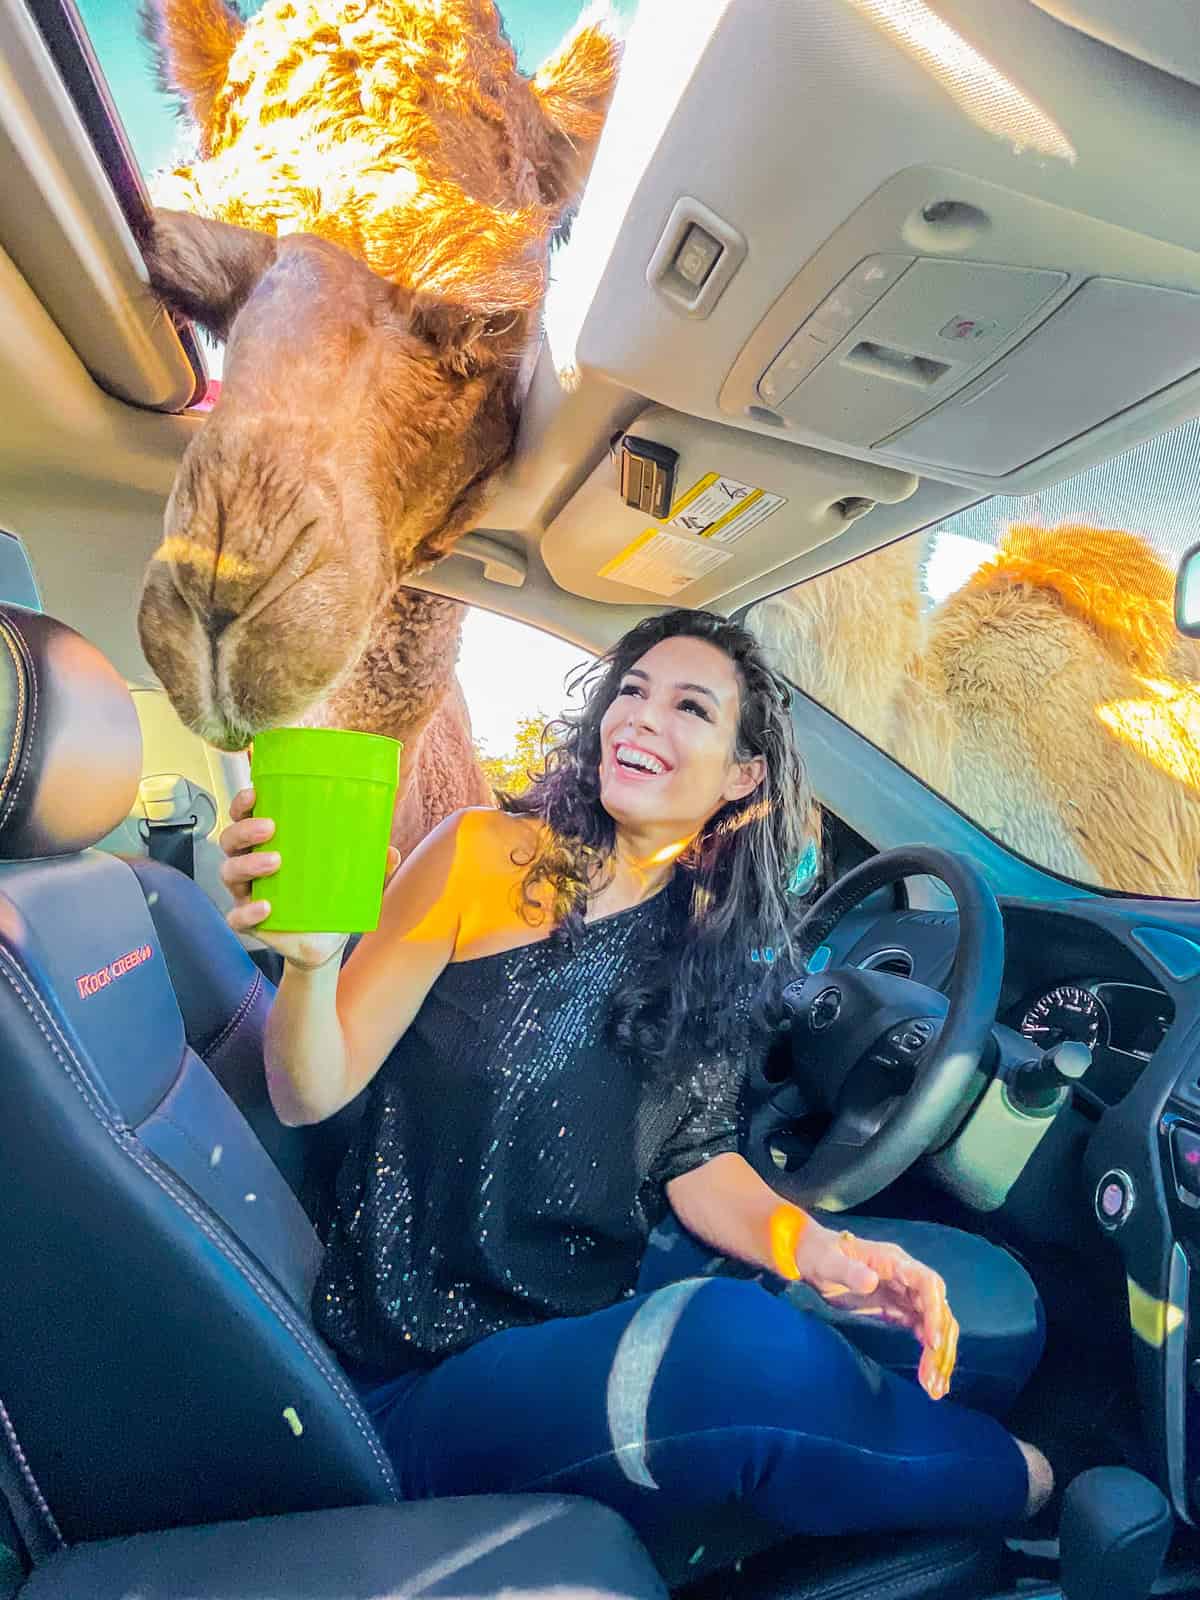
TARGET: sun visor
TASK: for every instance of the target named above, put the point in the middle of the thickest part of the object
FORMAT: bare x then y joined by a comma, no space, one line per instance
739,506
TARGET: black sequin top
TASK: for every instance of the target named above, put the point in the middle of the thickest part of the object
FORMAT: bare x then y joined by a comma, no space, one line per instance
510,1162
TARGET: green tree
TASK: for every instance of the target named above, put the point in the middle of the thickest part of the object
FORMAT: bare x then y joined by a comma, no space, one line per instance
515,770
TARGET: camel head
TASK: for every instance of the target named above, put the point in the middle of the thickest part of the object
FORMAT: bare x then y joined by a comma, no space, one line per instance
347,448
368,229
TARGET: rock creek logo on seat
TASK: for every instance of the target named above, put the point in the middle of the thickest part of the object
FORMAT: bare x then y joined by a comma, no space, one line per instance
92,982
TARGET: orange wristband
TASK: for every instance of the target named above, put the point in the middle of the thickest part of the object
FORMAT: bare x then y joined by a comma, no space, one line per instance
786,1226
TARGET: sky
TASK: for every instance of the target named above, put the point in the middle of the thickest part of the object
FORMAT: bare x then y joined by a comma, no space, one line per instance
534,663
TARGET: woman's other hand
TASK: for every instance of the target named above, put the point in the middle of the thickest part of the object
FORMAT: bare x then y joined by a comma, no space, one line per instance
874,1279
241,871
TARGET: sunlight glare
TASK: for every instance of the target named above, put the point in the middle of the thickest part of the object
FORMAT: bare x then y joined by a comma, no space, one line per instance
989,99
1164,728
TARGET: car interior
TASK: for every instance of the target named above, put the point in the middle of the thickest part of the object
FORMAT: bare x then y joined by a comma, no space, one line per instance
847,273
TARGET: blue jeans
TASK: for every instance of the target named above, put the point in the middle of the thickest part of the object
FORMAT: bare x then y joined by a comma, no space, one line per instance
991,1294
709,1391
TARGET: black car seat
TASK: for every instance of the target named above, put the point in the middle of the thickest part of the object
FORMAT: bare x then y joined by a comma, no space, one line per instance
158,1368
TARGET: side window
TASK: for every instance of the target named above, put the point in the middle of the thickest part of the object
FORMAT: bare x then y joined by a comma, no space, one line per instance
514,679
18,585
1021,658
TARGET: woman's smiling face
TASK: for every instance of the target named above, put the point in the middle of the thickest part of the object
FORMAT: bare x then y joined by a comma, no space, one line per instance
667,740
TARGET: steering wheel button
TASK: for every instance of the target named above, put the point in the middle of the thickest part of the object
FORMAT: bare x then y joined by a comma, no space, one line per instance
876,1133
1112,1199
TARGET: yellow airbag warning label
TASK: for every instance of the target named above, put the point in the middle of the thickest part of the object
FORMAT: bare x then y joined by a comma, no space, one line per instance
662,562
716,508
723,509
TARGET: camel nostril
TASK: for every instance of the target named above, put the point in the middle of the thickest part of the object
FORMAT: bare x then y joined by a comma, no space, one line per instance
215,623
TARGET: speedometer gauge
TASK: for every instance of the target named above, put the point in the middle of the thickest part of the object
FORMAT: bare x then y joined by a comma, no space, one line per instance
1065,1013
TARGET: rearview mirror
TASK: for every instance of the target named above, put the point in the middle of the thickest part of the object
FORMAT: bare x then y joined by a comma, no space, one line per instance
1187,594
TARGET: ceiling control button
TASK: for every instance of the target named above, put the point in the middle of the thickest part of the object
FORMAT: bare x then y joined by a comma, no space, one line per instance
839,311
697,255
1114,1199
877,273
793,364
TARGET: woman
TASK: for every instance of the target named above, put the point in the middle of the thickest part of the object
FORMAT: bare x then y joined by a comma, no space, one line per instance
554,1018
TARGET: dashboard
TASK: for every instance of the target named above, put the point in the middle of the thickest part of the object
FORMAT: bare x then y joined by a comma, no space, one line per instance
1127,1017
1122,1024
1070,972
1106,1175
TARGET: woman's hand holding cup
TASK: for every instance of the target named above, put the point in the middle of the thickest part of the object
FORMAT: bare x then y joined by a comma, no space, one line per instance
245,865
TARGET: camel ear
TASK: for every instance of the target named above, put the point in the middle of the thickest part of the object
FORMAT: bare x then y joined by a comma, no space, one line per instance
192,41
481,275
466,338
574,88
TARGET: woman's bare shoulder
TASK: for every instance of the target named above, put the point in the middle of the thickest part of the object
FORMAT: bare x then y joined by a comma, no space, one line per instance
496,835
470,865
488,846
495,848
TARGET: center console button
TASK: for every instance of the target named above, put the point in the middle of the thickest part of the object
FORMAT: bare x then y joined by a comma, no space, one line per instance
1114,1199
1185,1158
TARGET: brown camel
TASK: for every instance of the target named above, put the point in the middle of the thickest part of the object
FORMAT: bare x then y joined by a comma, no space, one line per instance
368,226
1050,697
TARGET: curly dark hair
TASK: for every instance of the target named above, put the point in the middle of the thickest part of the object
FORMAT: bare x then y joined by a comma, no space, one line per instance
731,890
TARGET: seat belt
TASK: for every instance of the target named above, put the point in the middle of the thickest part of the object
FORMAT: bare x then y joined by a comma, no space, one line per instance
171,809
171,842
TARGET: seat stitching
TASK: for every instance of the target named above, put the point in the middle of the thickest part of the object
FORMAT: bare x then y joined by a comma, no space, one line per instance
264,1292
30,737
238,1017
184,1133
88,1090
129,1144
31,1482
15,747
21,741
849,1584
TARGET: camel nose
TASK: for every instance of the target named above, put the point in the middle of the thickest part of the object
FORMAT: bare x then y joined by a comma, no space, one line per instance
215,622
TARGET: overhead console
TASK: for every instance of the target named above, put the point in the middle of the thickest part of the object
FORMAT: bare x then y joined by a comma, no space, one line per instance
936,353
945,236
876,327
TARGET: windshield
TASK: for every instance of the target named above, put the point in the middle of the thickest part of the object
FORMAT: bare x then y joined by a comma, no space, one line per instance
1022,658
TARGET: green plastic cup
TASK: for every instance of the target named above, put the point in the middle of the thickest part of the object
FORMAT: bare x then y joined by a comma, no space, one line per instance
330,793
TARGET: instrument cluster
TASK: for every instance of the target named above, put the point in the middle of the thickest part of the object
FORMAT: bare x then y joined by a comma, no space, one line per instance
1122,1024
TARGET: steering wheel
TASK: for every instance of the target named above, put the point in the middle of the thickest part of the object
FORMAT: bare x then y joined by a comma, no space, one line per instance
893,1061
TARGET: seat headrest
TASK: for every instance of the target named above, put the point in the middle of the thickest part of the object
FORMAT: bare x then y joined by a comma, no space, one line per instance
70,742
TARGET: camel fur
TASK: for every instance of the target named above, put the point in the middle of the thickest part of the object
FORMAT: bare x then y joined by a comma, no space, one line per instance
368,225
1050,697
